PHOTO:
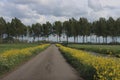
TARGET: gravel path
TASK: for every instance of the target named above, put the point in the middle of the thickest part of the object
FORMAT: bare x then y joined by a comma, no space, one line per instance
48,65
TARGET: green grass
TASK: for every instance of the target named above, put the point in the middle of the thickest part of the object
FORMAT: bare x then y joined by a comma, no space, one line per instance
12,58
6,47
103,49
92,67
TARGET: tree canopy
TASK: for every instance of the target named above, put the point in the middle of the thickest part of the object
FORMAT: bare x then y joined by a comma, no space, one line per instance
71,28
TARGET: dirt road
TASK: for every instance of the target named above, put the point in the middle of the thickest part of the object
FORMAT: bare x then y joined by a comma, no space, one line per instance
48,65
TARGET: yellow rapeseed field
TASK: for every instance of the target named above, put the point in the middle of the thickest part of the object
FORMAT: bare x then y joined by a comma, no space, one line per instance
106,68
11,58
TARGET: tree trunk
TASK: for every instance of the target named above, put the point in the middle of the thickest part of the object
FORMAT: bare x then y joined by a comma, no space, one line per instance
48,38
90,38
74,39
96,39
59,39
86,39
1,38
83,39
77,38
106,40
22,38
38,38
112,39
33,39
103,39
67,39
116,40
99,39
42,38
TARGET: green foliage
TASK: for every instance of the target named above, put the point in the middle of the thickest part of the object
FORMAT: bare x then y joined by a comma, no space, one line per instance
85,70
6,47
102,49
92,67
9,59
58,29
17,28
2,28
8,40
71,28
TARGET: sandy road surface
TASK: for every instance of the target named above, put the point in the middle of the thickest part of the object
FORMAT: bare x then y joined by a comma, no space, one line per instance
48,65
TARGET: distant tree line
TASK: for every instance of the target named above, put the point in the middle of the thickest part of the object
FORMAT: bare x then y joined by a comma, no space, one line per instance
71,28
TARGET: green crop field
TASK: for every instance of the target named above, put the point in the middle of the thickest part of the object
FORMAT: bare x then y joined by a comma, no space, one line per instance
102,49
6,47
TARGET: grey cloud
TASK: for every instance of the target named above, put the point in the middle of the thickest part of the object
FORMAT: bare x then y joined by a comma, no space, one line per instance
95,5
13,10
22,1
53,7
60,9
112,7
43,10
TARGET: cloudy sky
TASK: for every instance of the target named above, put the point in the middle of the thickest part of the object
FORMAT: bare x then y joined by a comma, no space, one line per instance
32,11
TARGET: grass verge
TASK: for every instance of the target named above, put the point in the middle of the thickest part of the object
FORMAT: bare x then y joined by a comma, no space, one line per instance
11,58
92,67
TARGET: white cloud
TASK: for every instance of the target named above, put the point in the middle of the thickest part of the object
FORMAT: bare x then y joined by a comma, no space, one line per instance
32,11
110,3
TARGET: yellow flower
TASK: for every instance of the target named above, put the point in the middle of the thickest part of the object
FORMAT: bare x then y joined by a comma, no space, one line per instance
106,68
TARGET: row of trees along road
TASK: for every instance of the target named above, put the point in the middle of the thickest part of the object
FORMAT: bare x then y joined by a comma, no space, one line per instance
71,28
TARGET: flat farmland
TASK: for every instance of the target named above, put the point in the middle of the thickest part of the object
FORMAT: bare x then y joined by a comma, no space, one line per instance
94,67
6,47
102,49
